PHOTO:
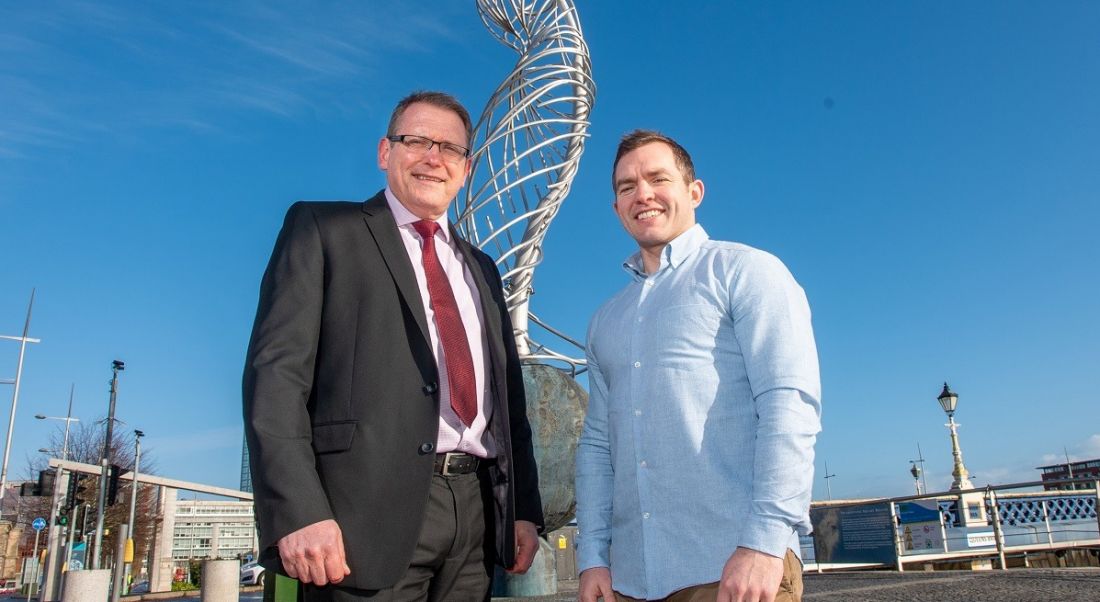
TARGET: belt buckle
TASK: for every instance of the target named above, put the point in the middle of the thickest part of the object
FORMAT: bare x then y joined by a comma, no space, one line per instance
457,455
447,463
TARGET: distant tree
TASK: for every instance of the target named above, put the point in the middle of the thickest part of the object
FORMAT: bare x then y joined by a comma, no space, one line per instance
86,446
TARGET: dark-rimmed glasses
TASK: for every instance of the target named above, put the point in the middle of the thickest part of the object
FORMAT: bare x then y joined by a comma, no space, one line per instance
420,145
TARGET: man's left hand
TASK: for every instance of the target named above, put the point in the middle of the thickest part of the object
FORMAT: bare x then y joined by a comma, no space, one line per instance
750,576
527,543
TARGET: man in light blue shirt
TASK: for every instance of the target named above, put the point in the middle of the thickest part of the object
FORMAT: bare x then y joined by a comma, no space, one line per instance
695,465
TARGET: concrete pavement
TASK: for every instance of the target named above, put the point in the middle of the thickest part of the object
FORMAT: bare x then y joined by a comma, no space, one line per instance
1016,585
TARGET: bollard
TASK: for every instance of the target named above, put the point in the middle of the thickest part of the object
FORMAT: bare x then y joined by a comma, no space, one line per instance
221,580
86,586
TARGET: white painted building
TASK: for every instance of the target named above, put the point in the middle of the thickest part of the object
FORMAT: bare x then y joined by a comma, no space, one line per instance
200,529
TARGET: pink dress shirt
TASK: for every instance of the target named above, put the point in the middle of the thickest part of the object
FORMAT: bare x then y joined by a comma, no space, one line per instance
453,435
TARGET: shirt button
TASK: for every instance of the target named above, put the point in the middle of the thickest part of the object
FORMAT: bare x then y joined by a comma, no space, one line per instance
637,364
645,515
637,412
649,283
643,464
641,319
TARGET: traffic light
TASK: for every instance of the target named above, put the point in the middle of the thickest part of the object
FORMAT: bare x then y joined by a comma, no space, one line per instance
112,484
70,491
78,484
45,482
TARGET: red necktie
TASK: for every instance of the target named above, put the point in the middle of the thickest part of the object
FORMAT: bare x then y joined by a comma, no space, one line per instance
456,347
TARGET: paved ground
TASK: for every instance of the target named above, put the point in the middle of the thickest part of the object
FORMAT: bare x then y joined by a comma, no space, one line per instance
1017,585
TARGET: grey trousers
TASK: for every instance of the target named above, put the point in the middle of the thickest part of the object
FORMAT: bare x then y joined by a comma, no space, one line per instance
453,557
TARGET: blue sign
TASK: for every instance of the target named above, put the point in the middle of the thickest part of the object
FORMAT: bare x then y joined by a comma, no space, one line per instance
77,561
38,524
923,511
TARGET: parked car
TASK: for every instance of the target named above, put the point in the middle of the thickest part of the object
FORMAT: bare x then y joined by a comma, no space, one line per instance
140,587
252,574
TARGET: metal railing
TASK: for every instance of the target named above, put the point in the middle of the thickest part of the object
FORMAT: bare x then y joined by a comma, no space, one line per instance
981,523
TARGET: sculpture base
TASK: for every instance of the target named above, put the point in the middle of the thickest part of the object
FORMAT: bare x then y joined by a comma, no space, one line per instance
540,580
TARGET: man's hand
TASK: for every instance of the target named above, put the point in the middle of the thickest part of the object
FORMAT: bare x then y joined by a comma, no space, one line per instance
595,584
315,554
527,543
750,576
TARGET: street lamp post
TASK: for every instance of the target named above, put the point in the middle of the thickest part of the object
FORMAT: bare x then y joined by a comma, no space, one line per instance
915,471
105,462
23,340
923,473
828,486
948,401
68,420
133,507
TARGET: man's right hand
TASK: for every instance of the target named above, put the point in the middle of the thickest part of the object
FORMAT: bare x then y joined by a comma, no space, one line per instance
595,584
315,554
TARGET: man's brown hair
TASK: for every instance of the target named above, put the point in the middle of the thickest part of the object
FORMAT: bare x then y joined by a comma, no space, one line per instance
639,138
436,99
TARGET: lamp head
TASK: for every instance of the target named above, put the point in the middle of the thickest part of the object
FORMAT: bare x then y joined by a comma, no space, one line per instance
948,400
40,416
118,365
139,434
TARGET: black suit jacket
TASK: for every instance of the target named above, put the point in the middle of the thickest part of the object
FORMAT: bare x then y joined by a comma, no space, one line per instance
341,396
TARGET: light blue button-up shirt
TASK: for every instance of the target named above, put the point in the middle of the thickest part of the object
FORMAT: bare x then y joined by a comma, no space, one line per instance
702,415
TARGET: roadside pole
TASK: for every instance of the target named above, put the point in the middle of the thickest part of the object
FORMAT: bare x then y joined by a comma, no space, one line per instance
129,551
73,522
105,463
117,571
49,587
32,588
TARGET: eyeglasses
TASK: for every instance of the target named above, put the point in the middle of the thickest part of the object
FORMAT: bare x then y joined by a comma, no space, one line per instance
420,145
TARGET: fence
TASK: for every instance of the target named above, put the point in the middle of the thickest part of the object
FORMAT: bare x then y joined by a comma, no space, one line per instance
950,526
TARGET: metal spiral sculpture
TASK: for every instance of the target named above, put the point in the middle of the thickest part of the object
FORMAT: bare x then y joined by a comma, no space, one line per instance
528,140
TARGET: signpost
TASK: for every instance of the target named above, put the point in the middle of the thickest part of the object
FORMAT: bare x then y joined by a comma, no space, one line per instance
38,524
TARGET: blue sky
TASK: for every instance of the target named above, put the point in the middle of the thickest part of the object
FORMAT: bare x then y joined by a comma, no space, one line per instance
928,171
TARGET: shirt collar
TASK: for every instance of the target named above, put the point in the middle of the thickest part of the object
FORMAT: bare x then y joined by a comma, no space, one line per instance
405,218
675,252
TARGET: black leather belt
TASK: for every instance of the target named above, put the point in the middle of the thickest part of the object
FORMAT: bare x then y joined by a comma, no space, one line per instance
452,463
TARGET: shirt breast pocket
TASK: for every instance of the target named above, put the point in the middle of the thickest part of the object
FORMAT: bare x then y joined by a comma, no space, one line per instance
687,336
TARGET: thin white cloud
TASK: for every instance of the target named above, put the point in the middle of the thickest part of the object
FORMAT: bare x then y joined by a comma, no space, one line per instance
1089,449
190,65
312,51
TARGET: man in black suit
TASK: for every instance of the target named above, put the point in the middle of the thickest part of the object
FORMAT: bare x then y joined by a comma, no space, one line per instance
383,397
